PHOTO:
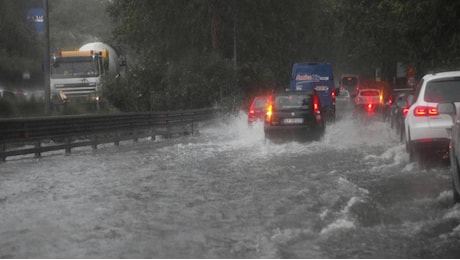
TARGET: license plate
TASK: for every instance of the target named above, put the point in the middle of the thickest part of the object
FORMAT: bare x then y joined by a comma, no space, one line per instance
293,121
321,88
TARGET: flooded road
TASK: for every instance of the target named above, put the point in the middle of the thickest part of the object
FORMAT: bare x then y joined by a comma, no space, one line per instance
229,193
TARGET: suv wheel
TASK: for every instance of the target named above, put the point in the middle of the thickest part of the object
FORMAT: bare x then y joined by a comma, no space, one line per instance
456,195
415,153
411,152
402,134
455,170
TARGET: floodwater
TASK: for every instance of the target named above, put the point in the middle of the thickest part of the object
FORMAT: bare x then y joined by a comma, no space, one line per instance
229,193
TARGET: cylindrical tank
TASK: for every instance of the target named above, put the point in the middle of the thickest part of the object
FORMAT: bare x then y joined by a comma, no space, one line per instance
114,63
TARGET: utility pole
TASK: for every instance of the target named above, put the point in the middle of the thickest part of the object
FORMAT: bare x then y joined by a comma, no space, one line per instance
235,13
46,60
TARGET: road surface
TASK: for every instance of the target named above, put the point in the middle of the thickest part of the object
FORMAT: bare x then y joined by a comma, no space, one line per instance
228,193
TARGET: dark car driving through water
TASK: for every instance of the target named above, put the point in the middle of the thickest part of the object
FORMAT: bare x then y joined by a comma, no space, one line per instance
294,115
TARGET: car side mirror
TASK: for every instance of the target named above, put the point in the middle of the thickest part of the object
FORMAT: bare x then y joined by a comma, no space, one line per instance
447,109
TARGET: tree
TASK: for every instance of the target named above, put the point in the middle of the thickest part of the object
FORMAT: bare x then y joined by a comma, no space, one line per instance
268,36
19,45
74,23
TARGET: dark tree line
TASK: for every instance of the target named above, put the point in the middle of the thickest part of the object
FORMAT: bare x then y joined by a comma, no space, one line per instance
195,53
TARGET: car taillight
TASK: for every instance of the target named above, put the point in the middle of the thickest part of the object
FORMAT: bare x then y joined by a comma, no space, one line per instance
316,108
425,111
269,113
251,111
405,111
370,107
333,96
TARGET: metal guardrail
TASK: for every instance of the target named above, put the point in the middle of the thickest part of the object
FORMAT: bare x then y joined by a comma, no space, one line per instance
20,136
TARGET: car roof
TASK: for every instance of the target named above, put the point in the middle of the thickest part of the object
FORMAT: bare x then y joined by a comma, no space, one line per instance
349,75
441,75
296,92
367,89
261,97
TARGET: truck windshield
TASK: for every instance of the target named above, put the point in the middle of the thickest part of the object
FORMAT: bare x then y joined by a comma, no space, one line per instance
72,69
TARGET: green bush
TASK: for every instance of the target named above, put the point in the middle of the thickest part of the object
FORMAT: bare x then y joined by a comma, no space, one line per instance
195,81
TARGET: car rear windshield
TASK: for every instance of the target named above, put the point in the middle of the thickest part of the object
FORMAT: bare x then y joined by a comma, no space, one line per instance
444,91
369,93
292,101
260,103
349,81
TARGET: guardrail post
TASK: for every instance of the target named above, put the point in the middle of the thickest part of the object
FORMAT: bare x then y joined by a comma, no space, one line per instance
94,141
38,145
135,137
2,150
117,138
68,146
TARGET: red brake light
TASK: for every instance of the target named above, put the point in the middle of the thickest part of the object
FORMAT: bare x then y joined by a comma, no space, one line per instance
316,108
405,111
425,111
315,104
370,107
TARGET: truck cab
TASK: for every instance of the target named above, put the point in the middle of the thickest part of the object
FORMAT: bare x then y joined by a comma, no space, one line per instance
311,76
76,75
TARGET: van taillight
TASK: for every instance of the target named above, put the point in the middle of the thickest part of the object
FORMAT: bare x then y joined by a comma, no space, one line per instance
425,111
316,108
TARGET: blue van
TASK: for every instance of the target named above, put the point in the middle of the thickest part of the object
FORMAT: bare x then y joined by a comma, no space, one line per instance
319,77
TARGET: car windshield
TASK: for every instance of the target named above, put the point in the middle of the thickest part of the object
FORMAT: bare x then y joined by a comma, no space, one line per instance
292,102
344,93
443,91
369,93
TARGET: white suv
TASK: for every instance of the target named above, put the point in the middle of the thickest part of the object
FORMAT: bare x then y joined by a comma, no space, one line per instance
425,128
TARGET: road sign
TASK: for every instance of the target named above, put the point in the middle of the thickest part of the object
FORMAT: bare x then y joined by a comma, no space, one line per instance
37,17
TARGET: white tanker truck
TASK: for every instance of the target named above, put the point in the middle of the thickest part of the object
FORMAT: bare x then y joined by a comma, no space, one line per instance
78,75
